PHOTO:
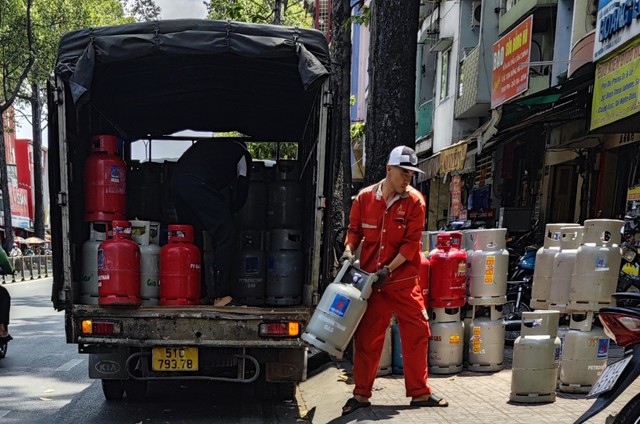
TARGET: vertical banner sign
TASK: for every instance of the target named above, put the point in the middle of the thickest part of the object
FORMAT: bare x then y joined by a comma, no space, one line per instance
511,56
456,195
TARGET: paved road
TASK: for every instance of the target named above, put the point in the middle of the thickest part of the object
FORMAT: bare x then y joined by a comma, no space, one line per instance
44,380
474,398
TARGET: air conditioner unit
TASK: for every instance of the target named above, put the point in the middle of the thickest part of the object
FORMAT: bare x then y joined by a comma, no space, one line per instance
476,13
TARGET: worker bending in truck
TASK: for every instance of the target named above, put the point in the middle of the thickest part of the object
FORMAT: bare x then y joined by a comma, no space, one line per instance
388,219
210,184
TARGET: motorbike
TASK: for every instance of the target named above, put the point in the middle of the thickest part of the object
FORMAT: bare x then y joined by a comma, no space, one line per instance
518,293
621,324
522,261
3,347
629,278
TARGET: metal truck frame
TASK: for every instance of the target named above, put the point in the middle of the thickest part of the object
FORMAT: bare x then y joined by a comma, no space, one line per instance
147,81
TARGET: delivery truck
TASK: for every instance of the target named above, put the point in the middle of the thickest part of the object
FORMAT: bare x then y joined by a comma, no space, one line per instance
145,84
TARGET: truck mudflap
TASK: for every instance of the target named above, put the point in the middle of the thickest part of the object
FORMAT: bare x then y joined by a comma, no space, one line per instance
240,377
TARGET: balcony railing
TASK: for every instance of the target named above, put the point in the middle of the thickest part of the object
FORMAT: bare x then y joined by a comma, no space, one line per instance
425,119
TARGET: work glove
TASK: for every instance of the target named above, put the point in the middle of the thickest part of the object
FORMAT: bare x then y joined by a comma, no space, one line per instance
347,256
380,276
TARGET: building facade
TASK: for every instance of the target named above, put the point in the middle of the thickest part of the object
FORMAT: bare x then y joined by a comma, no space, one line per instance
540,123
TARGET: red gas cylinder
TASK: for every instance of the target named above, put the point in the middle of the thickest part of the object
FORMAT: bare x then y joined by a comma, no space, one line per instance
104,177
448,275
424,275
119,268
180,268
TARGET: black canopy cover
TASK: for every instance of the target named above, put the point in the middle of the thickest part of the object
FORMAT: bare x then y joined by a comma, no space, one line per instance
155,78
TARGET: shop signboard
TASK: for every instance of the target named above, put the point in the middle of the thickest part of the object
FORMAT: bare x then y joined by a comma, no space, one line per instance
511,63
633,194
452,158
617,22
615,91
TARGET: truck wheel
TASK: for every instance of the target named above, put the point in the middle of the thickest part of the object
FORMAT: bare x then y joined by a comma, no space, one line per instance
112,389
136,389
275,391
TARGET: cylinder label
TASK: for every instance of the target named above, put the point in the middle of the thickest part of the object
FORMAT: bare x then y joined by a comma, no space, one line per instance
340,305
602,264
477,342
115,174
454,339
603,348
490,262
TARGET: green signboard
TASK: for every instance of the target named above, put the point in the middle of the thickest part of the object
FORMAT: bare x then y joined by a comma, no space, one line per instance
617,81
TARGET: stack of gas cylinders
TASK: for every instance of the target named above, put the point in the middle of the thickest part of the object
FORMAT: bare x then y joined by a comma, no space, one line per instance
577,276
446,296
487,269
269,267
123,264
104,202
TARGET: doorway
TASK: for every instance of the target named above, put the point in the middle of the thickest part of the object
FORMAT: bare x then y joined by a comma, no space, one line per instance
563,194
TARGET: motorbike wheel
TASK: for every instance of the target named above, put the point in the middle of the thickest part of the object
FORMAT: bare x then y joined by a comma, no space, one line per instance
3,350
630,412
510,312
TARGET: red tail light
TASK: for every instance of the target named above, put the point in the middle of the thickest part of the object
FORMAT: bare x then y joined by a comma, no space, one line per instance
101,328
621,327
280,329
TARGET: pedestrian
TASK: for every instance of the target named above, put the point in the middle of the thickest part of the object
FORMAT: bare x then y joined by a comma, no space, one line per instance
210,183
387,218
16,257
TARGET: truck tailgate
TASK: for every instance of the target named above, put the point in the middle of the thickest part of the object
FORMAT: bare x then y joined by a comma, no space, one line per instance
194,325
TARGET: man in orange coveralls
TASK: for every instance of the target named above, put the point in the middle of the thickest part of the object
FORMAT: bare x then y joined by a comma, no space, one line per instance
388,218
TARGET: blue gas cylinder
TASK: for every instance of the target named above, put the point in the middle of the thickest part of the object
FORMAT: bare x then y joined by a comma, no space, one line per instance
396,349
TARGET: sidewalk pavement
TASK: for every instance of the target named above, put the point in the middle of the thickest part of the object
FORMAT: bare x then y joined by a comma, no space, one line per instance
473,397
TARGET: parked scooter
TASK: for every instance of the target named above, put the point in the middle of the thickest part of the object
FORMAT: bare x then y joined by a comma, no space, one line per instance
621,324
629,279
518,293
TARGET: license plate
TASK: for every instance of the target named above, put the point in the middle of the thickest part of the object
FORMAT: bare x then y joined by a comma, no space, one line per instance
174,359
609,377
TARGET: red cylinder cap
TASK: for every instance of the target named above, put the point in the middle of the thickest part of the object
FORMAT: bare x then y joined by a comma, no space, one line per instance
104,144
121,229
180,233
444,240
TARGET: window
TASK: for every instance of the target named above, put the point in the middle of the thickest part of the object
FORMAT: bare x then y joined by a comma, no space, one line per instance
444,75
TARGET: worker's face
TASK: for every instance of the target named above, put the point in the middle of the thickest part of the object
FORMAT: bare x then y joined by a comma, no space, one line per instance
399,178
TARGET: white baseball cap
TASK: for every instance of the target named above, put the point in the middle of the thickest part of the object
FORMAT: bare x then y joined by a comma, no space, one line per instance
404,157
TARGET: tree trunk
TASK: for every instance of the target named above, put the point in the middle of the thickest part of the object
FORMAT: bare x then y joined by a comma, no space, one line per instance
36,110
277,12
4,185
345,117
392,83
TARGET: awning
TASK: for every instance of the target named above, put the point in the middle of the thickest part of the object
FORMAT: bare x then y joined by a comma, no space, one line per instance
532,108
430,166
469,163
